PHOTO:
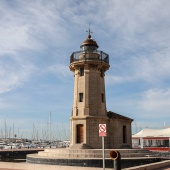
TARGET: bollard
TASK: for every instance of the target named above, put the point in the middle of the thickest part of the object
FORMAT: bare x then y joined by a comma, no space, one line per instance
115,155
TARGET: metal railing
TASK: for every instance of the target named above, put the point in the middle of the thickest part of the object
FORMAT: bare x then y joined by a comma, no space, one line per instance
75,56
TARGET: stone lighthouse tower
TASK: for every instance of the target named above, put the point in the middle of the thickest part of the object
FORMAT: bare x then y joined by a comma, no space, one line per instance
89,100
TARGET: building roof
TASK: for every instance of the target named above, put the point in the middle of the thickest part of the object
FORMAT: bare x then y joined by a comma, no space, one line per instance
113,115
89,42
146,132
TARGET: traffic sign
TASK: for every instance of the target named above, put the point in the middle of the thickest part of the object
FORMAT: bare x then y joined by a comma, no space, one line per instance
102,130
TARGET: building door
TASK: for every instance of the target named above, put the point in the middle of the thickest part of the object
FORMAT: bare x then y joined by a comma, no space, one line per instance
80,133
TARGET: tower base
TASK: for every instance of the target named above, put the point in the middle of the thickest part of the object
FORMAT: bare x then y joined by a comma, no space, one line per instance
90,157
80,146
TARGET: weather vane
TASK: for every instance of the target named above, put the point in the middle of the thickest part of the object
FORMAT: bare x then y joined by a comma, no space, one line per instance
89,31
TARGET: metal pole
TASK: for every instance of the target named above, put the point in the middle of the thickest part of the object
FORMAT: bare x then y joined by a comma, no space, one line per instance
103,153
117,162
169,147
141,143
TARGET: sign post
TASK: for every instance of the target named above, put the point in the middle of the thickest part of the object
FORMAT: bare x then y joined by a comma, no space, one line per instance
102,133
103,153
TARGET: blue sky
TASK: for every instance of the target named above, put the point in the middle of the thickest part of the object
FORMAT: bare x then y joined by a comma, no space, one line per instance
37,38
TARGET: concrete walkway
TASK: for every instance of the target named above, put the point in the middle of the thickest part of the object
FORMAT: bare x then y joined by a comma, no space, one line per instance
166,168
27,166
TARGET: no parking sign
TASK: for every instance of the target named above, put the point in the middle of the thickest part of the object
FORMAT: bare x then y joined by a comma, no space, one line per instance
102,130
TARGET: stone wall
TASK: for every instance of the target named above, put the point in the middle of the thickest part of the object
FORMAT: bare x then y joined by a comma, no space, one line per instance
116,133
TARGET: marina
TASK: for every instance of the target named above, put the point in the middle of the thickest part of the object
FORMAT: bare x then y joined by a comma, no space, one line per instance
11,151
6,144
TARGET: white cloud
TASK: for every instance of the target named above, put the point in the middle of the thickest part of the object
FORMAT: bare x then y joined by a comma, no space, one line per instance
151,68
133,17
15,33
148,109
157,100
26,27
140,45
14,72
30,25
62,71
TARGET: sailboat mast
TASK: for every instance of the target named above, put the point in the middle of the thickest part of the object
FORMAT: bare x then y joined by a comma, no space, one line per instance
13,130
5,129
50,126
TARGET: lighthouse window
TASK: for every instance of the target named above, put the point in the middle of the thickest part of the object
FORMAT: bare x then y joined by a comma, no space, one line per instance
101,73
89,48
80,97
81,71
102,98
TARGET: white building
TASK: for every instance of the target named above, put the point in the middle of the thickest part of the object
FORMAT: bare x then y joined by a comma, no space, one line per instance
151,138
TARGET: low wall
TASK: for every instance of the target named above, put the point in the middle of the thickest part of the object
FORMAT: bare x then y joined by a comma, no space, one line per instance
21,166
16,153
125,163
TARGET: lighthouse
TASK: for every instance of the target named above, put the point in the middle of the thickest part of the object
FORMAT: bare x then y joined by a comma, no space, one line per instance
89,112
89,100
89,115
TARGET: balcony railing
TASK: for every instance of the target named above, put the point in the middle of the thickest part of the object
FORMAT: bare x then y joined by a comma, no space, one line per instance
102,56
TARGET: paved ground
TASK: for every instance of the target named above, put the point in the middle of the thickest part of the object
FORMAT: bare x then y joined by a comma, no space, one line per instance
26,166
7,169
166,168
